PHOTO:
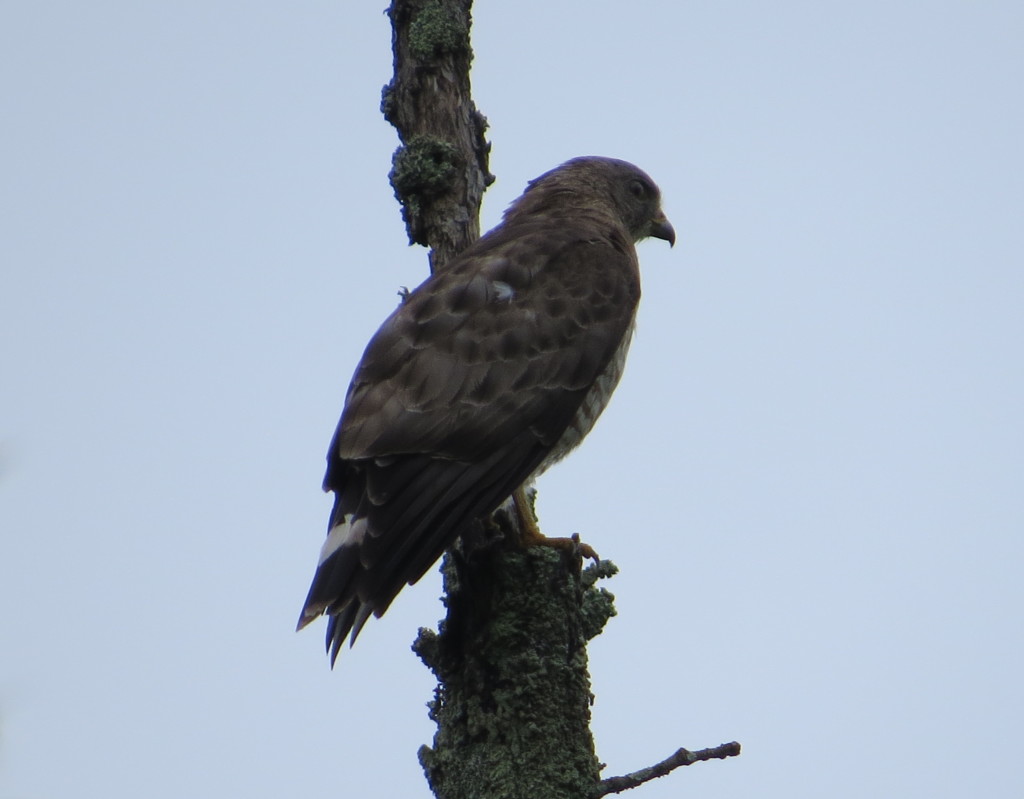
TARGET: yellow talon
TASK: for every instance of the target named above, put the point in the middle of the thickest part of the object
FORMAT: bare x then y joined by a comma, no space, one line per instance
531,536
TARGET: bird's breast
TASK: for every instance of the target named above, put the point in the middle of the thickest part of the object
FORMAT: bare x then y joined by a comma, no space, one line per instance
595,401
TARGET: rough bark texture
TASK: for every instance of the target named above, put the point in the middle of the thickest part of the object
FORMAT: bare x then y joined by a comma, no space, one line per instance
513,699
440,172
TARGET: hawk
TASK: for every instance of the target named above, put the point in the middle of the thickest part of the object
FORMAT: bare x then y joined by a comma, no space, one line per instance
490,371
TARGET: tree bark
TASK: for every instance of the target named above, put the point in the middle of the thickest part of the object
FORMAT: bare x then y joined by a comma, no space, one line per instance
513,698
440,172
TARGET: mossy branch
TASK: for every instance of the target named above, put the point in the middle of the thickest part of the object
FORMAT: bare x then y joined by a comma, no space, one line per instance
440,171
513,700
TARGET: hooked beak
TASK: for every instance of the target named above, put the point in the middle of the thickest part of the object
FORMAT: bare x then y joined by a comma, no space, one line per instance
662,229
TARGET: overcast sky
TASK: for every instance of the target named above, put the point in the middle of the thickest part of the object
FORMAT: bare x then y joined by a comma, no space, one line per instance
810,477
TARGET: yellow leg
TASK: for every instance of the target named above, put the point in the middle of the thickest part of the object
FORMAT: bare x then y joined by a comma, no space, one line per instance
531,536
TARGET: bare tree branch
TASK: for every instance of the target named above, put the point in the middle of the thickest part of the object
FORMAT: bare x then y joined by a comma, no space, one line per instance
682,757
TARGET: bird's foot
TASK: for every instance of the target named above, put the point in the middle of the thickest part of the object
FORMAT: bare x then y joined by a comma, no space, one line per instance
572,544
531,536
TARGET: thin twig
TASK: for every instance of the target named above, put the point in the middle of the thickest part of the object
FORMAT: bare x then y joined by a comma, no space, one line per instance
683,757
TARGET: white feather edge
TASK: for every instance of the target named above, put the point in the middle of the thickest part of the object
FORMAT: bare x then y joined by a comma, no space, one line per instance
348,533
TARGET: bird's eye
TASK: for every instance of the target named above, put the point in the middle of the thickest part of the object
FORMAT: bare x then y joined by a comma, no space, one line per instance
638,189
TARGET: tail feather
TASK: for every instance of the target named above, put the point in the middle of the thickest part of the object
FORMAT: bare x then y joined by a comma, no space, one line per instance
375,546
339,626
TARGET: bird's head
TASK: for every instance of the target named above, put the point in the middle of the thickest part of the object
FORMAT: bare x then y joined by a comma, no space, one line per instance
594,181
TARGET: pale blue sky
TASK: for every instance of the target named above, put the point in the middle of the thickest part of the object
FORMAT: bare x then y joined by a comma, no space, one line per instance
811,476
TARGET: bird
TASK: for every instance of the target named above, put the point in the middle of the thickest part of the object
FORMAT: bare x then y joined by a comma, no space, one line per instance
486,374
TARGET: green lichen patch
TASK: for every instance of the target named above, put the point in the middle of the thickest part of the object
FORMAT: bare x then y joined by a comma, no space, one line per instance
513,709
437,29
425,166
423,169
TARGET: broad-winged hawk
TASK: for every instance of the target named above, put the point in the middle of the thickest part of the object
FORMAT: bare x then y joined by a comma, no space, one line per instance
490,371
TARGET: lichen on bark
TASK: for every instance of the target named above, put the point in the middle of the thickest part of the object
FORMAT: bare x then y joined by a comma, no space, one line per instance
428,101
434,31
513,699
424,169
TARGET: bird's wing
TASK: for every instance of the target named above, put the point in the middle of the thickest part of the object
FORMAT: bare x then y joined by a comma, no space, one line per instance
459,397
503,344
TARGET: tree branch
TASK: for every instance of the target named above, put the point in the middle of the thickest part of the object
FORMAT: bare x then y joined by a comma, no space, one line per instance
513,700
440,172
682,757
